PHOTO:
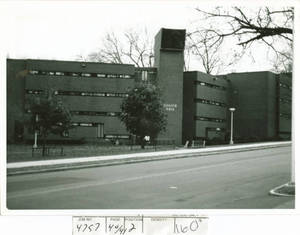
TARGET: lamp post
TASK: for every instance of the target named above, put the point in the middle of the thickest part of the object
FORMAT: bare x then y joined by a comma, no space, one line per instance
231,125
35,132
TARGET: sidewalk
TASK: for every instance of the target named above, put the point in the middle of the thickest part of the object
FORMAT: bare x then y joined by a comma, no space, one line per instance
75,163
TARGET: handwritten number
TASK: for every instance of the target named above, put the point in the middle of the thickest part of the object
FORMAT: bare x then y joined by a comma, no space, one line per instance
78,227
97,226
132,228
91,228
195,227
85,227
110,227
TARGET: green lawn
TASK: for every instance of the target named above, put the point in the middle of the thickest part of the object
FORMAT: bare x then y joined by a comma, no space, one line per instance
19,153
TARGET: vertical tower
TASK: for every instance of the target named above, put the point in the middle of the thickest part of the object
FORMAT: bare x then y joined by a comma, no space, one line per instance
169,60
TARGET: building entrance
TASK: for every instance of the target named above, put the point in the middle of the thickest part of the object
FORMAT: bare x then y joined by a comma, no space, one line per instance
100,130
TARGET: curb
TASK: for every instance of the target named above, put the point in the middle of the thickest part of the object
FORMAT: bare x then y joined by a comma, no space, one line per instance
103,163
274,193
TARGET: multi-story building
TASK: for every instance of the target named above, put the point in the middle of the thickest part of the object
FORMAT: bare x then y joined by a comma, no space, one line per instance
205,102
196,103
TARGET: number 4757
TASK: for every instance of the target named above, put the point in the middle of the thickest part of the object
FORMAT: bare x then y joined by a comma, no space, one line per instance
87,227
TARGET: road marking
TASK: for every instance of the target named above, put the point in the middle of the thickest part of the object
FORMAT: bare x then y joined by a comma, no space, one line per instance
94,184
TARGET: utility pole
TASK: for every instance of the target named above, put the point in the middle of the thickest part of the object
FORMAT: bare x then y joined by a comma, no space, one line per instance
231,125
36,132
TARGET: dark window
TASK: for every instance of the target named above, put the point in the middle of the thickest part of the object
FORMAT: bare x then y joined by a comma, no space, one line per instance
85,124
35,92
285,100
85,74
101,75
87,93
116,136
78,74
211,102
65,134
285,86
210,85
112,76
285,115
59,73
33,72
209,119
96,113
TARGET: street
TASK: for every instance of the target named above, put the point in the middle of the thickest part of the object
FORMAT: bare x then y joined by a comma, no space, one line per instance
238,180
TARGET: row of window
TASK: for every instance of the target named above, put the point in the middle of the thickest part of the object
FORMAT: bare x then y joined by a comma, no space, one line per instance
112,136
35,92
285,86
215,129
211,102
285,115
81,93
86,124
88,93
210,85
284,100
209,119
78,74
96,113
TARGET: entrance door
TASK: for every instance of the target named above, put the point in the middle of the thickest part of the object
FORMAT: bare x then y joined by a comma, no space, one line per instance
100,130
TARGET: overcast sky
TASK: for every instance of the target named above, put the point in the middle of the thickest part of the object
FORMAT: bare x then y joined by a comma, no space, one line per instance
63,30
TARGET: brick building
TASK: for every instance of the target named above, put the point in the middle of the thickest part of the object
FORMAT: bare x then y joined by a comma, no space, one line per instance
196,103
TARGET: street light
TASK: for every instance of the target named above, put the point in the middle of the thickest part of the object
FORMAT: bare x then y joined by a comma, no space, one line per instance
231,125
35,132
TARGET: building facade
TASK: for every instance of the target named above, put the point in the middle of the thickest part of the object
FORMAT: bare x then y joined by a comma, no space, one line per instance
196,103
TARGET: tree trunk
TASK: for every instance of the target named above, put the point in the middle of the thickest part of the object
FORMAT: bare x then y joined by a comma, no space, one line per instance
143,142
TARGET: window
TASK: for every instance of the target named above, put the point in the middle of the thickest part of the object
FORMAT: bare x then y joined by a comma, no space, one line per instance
285,100
78,74
285,86
116,136
35,92
144,76
100,130
285,115
209,119
65,134
59,73
42,73
210,85
33,72
101,75
111,76
86,124
211,102
75,74
85,74
88,93
96,113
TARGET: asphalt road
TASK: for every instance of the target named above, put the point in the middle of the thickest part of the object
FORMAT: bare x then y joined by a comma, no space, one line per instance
234,180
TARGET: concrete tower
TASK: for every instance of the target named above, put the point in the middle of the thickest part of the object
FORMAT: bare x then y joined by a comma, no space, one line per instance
169,61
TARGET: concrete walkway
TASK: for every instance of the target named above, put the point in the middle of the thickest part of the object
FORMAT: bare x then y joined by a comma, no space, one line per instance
73,163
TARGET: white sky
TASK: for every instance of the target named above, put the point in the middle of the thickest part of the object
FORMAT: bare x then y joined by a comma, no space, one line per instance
63,30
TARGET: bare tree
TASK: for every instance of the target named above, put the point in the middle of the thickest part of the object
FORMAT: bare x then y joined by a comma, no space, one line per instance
133,47
205,51
246,26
